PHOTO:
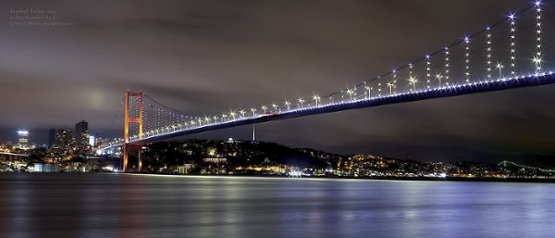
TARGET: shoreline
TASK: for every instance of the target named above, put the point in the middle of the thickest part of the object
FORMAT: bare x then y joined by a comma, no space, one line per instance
446,179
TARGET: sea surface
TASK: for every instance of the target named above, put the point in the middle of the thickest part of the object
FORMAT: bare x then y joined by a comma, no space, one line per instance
127,205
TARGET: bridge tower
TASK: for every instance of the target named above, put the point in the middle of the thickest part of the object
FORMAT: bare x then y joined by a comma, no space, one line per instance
128,120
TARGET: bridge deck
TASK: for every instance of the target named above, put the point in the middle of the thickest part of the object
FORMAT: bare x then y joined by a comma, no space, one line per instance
450,91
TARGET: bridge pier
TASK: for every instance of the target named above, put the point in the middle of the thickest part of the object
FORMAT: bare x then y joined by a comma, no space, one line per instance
127,148
253,133
125,157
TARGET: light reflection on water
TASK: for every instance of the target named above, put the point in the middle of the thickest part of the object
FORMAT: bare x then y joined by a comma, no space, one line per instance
116,205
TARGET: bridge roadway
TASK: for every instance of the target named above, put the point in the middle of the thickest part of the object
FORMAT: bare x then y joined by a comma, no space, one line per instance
447,91
11,156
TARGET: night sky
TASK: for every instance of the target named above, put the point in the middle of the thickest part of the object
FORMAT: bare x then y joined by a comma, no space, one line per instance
203,57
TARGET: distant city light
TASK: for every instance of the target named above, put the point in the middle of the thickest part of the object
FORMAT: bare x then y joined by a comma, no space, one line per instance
295,173
23,133
92,141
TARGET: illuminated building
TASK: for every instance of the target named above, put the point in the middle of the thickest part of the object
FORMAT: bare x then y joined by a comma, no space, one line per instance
82,134
23,138
92,141
215,160
62,138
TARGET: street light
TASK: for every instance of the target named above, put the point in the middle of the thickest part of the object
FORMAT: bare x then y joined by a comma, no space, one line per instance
350,93
232,113
287,104
369,91
253,110
499,66
439,77
412,81
264,108
242,113
390,85
301,101
316,99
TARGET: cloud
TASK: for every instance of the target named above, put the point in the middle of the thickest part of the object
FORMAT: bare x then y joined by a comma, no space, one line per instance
204,57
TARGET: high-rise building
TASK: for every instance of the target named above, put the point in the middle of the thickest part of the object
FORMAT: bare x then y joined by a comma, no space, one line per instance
51,137
82,134
62,138
23,138
92,141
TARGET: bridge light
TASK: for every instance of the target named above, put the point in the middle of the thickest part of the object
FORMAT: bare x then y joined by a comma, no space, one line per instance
394,80
369,92
512,44
412,81
264,108
500,67
410,76
301,101
428,71
489,50
538,56
536,60
390,85
316,99
350,92
467,58
439,77
446,66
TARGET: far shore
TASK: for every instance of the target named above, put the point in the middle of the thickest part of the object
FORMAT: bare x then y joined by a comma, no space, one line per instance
446,179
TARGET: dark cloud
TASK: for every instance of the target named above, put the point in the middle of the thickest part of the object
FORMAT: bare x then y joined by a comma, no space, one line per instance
208,56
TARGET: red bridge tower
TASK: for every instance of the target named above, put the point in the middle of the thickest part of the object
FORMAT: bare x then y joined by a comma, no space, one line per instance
128,120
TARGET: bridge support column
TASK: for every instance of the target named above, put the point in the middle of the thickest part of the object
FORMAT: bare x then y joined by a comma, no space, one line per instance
129,148
125,157
128,121
140,162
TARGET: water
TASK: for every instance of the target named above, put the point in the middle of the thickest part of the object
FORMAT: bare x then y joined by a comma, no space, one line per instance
118,205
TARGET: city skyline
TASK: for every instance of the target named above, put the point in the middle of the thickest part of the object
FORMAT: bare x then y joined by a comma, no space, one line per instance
315,60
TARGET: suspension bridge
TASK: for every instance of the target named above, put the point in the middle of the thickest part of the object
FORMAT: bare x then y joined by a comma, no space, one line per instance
510,53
